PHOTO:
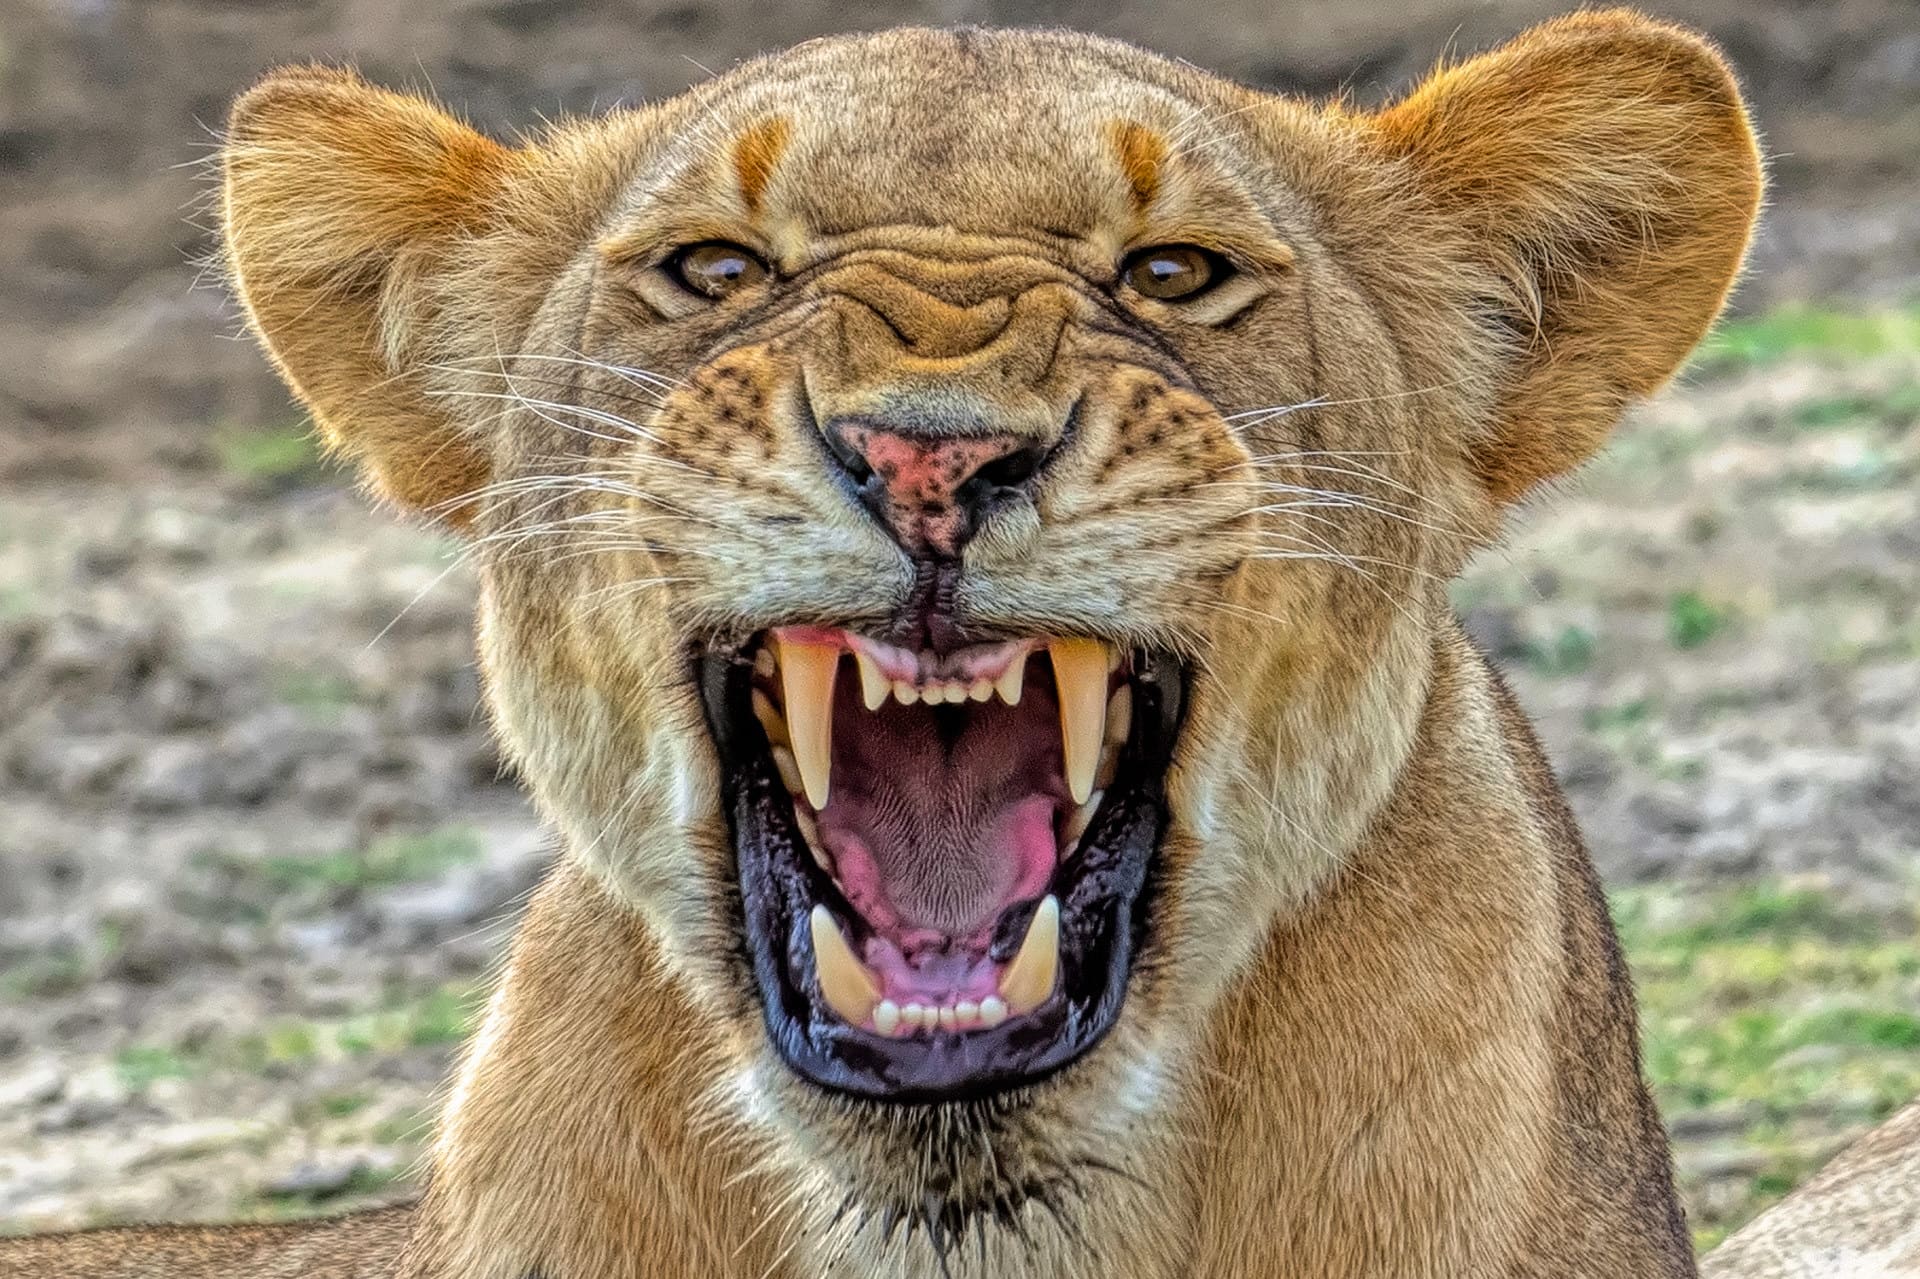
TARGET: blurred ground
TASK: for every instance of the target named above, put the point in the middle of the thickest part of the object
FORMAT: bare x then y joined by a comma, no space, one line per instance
254,857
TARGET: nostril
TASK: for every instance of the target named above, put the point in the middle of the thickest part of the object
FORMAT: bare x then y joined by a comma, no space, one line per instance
849,458
1011,471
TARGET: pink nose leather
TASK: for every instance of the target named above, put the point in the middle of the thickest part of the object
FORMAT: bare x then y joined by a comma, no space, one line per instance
917,481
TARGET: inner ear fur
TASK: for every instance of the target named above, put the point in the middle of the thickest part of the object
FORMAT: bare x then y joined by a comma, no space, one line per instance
1602,166
343,205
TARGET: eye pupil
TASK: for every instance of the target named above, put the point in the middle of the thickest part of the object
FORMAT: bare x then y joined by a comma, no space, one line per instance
716,269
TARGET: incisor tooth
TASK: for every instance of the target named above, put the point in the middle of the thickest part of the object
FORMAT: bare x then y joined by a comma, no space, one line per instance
1008,685
846,984
993,1011
948,1019
806,677
1080,672
905,693
886,1016
912,1015
981,690
1028,979
966,1012
874,685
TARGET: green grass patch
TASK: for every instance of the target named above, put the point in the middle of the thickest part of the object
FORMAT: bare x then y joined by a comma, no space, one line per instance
433,1018
140,1065
1567,653
1692,619
62,971
394,859
1785,1007
1754,341
317,694
278,457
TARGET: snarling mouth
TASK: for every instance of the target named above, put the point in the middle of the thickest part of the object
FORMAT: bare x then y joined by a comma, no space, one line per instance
944,859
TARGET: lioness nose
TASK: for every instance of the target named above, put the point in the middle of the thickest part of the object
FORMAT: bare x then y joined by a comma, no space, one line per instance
931,491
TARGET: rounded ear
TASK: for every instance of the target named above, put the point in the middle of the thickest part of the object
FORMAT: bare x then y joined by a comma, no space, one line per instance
1603,167
341,204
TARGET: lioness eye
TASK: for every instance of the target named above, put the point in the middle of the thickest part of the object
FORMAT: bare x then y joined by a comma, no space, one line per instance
715,269
1173,272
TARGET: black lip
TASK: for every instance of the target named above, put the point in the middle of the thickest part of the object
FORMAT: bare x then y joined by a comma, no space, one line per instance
1104,894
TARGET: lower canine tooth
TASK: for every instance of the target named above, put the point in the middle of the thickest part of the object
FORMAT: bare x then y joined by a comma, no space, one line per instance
847,986
1028,978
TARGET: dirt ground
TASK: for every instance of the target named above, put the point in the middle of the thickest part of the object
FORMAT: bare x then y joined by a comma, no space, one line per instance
255,854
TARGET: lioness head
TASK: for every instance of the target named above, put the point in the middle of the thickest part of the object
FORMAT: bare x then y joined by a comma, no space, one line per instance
963,515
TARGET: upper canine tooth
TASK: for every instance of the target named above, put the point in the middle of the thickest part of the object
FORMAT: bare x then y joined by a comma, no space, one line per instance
806,677
1080,671
848,987
1028,978
1008,685
874,685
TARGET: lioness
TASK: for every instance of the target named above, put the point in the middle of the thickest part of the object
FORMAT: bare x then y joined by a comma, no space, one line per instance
963,520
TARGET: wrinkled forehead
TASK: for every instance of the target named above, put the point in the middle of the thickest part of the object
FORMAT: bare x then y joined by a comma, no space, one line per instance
990,131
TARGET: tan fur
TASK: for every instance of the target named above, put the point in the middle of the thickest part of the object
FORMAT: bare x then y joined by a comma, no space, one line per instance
1380,1025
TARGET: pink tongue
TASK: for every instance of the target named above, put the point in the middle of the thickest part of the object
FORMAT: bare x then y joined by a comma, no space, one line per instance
941,818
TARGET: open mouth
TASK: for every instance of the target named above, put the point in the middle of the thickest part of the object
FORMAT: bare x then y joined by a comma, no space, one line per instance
945,859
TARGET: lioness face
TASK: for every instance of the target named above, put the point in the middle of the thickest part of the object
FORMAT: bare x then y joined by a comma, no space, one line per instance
961,515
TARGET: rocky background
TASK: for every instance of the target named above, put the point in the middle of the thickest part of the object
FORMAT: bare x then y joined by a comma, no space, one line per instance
256,857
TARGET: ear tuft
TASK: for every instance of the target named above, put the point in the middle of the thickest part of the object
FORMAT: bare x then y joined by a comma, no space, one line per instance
1603,167
340,201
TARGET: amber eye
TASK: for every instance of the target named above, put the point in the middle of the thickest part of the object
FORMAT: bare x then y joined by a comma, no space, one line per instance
716,268
1173,272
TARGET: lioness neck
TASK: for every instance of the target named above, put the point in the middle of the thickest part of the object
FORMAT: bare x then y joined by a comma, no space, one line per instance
1398,1086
